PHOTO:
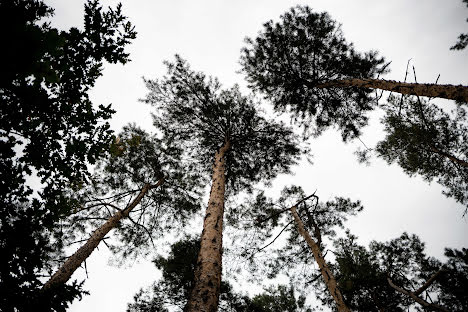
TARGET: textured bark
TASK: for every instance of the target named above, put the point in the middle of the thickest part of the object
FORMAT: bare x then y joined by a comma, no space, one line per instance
450,92
327,274
64,273
207,281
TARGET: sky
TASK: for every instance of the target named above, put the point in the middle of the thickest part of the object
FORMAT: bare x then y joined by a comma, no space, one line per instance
209,34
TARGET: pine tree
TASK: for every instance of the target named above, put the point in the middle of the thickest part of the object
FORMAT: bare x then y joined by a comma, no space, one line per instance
398,275
142,191
425,140
303,64
173,290
305,246
224,133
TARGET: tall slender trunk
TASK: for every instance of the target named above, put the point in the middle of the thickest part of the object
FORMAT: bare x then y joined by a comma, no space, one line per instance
450,92
63,274
207,280
327,274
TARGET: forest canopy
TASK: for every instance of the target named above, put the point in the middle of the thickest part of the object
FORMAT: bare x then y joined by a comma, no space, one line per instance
242,192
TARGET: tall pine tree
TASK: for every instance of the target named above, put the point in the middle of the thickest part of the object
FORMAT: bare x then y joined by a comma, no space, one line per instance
304,64
225,134
141,192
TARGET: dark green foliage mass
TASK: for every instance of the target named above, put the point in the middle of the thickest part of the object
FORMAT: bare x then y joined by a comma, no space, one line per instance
462,38
136,158
46,74
193,112
172,291
289,58
454,282
49,129
279,299
363,273
425,140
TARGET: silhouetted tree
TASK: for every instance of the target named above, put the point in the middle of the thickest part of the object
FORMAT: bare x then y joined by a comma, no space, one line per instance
304,65
167,194
49,129
305,245
224,133
398,275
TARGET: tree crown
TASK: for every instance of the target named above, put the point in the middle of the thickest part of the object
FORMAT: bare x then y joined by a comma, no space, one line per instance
289,58
195,113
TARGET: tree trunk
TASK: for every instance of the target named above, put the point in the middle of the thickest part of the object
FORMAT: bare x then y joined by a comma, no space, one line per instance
64,273
207,280
449,156
324,269
450,92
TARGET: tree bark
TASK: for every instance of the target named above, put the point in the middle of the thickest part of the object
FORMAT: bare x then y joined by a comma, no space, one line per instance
63,274
327,274
450,92
207,280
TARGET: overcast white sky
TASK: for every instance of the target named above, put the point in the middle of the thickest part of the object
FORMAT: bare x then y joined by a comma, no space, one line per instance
210,33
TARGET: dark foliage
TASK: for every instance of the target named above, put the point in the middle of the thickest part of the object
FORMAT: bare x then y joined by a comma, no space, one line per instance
289,58
462,38
173,290
193,112
454,282
363,274
46,74
49,129
423,139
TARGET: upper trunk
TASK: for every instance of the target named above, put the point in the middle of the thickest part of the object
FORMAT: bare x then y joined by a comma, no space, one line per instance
449,156
450,92
64,273
327,274
207,280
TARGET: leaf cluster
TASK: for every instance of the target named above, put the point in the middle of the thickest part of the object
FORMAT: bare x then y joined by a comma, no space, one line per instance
48,129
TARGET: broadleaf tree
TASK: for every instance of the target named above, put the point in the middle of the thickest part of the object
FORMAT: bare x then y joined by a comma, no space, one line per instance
50,129
225,134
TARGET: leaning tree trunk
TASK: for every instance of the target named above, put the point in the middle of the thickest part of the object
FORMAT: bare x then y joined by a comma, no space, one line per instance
327,274
64,273
450,92
207,280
